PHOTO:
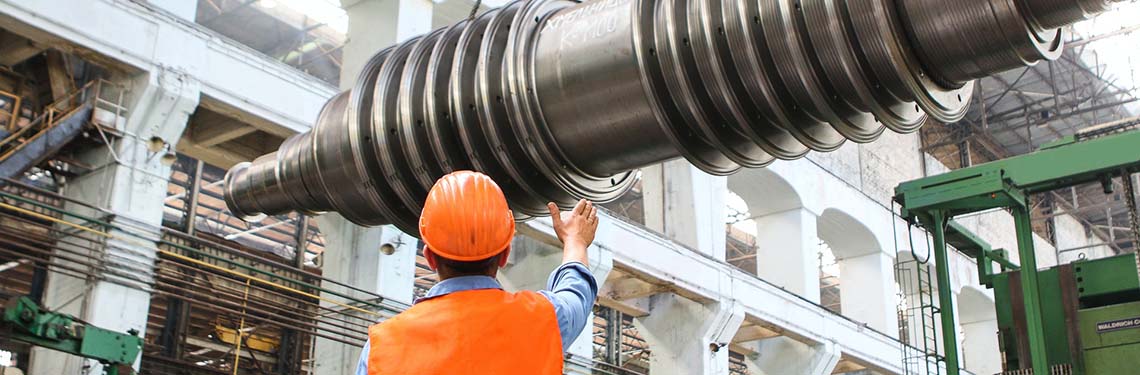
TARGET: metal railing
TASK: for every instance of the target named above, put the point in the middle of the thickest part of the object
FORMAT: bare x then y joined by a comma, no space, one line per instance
217,282
9,110
62,108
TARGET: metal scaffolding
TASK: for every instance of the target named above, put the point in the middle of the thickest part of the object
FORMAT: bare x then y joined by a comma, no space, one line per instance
1019,111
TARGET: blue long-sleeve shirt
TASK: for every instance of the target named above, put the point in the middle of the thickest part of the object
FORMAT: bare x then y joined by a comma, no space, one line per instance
571,288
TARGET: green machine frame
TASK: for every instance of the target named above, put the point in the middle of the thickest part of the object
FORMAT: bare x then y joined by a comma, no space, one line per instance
1095,156
24,321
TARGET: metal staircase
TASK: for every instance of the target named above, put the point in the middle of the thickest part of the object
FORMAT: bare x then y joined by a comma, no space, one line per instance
25,146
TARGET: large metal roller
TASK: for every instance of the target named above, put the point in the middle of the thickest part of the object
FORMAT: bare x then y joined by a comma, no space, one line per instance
559,100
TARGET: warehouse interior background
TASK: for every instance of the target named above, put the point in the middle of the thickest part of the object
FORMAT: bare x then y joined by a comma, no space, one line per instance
801,267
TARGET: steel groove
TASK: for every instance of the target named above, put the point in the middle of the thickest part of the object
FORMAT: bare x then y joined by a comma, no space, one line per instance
559,100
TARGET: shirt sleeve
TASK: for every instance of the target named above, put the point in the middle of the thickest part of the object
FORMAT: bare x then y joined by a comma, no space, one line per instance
362,366
572,290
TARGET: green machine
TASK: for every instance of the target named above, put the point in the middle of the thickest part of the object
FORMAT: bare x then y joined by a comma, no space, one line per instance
22,320
1078,318
1090,312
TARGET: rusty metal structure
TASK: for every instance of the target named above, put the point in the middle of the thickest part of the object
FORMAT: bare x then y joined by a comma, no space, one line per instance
560,100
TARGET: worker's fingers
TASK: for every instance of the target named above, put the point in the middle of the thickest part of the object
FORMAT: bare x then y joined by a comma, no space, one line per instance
580,208
555,213
593,217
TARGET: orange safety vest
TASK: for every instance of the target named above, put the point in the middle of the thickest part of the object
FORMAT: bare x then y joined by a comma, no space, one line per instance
483,331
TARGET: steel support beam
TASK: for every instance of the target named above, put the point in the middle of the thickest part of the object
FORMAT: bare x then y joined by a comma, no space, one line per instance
1030,289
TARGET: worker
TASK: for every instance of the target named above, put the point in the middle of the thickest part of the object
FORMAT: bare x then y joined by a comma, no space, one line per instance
467,324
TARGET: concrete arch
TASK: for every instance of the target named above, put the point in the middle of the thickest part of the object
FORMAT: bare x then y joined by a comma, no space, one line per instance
976,304
818,192
847,236
785,230
866,281
764,191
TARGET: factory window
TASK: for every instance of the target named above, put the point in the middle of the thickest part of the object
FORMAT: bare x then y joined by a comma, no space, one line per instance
830,294
307,35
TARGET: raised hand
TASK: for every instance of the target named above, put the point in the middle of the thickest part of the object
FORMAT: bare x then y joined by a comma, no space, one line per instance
575,228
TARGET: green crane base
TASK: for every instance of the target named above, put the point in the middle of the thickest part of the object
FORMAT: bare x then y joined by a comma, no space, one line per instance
1111,339
24,321
934,201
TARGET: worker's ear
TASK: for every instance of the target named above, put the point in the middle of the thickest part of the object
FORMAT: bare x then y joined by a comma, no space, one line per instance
503,256
431,261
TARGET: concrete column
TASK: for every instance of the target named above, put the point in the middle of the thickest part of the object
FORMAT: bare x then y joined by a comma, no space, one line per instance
354,254
980,354
130,180
782,355
688,337
867,291
786,251
529,268
375,24
381,260
980,347
686,205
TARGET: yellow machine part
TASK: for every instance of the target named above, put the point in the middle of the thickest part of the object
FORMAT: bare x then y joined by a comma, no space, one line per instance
255,342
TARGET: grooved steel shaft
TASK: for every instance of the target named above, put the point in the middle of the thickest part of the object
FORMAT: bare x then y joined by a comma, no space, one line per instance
559,100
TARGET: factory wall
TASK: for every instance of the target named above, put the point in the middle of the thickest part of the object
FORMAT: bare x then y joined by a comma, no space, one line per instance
840,198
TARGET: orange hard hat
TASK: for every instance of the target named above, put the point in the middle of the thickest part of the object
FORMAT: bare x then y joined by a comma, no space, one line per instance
466,217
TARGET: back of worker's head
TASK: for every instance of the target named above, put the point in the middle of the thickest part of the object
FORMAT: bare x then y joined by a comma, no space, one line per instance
466,224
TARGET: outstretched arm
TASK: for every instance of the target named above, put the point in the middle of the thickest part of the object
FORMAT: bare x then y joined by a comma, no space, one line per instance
571,288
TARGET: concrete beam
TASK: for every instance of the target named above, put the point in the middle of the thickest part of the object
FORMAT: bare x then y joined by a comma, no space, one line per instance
210,130
216,156
781,355
631,288
687,337
846,365
750,331
14,49
133,36
624,292
650,257
59,79
636,307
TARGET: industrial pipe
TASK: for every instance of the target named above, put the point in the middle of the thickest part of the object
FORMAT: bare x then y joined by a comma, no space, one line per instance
559,100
